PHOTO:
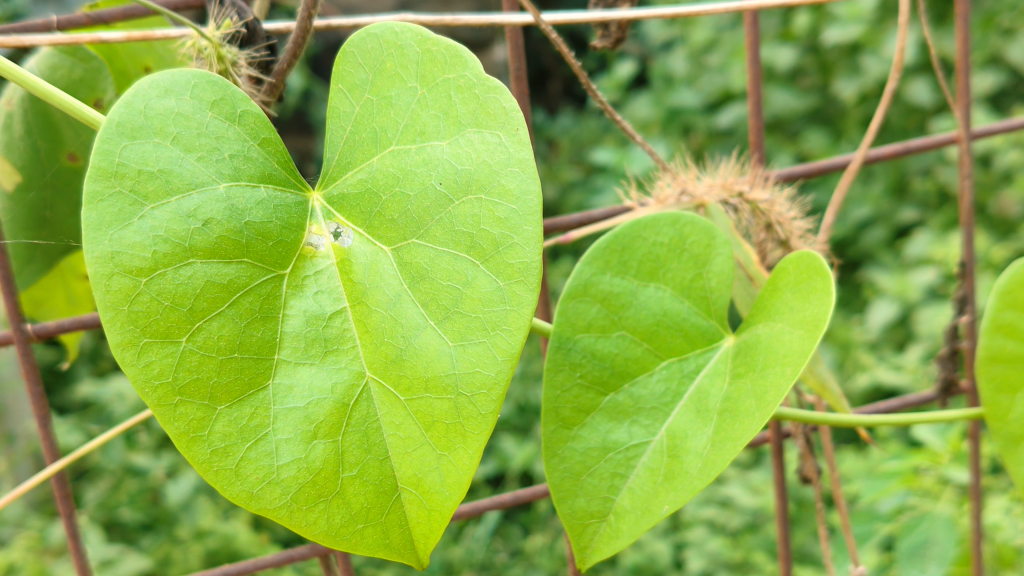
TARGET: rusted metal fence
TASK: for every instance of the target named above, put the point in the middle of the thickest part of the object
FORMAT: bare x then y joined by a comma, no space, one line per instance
22,335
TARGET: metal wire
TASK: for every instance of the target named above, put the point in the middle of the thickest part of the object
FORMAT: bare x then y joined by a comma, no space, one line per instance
455,19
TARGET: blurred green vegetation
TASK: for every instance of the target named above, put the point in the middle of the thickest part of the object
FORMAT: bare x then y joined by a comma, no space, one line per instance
682,83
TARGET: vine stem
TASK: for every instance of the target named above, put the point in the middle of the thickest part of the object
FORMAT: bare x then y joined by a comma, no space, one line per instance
838,420
891,84
541,328
90,446
838,499
50,94
175,17
810,470
592,89
292,51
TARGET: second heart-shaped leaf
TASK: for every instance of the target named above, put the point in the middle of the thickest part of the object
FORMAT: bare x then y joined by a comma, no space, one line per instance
332,358
1000,369
648,395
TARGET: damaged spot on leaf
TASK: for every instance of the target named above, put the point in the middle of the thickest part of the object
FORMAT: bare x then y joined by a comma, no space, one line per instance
9,175
314,240
340,235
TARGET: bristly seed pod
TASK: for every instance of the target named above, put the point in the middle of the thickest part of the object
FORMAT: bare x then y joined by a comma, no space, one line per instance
770,215
216,49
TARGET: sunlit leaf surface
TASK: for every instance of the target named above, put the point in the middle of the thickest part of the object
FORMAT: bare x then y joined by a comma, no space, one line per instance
332,358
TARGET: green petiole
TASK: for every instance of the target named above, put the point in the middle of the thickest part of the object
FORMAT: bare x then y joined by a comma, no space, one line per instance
540,328
175,17
89,447
50,94
838,420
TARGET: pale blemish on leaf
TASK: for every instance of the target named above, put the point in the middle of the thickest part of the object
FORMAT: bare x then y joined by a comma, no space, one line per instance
10,178
314,239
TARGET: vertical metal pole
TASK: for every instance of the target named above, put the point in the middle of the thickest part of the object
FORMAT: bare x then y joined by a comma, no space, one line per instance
517,78
519,85
41,411
962,31
327,565
782,538
345,563
755,111
570,558
755,134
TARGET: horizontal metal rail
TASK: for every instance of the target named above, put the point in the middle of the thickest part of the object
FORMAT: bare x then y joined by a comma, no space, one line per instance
455,19
808,170
95,17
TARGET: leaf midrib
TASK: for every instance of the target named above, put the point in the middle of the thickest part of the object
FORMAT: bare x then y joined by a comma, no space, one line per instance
725,344
315,204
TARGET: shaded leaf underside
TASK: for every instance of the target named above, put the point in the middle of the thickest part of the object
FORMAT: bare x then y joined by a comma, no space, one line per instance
41,214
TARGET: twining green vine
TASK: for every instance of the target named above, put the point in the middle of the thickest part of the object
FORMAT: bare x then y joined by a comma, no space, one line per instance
837,420
51,95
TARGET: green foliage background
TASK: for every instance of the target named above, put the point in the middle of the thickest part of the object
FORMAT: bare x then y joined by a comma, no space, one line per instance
145,512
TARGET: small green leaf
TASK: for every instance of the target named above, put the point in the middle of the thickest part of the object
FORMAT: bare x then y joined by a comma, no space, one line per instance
1000,368
50,151
647,394
334,359
62,293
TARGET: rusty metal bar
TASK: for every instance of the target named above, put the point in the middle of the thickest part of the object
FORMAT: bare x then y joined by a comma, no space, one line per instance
46,330
783,540
576,220
755,108
469,19
519,85
41,411
894,150
327,565
755,136
962,32
95,17
518,79
501,502
807,170
311,551
344,563
283,558
570,558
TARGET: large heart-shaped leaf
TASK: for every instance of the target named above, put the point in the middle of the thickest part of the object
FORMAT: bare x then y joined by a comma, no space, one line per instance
648,395
334,359
1000,368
